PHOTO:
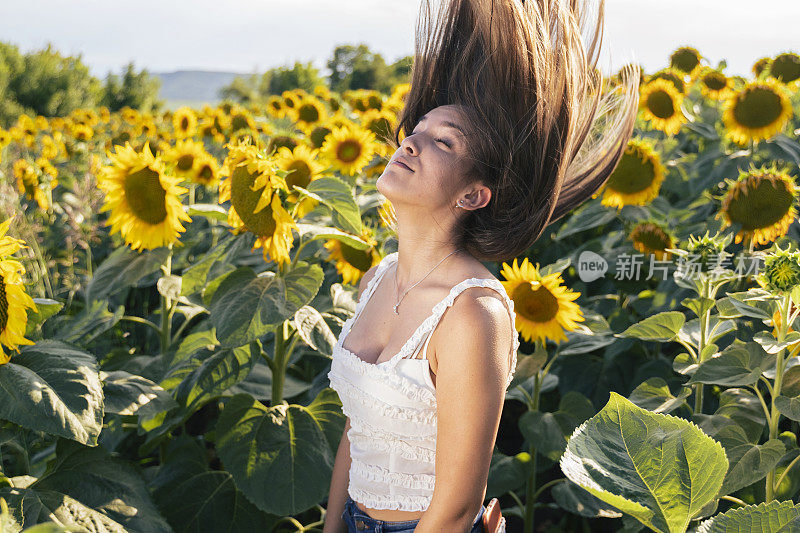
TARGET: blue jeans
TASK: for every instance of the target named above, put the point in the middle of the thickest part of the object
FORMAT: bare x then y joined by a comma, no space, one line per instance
360,522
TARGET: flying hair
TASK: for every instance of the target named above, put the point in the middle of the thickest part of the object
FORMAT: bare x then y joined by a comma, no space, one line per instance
544,129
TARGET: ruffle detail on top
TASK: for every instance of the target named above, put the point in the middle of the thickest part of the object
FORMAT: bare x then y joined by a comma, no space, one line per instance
370,402
399,502
377,474
365,438
386,374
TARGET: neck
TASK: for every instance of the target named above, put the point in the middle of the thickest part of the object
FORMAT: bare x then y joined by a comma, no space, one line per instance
421,246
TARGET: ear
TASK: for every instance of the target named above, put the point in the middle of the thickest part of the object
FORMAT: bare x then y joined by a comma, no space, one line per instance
476,198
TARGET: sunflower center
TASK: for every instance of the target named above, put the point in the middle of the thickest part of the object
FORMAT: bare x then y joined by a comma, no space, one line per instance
660,104
184,123
185,162
145,195
318,135
534,302
715,81
301,175
763,205
308,113
758,107
239,122
244,201
206,173
348,151
633,174
3,305
361,259
653,239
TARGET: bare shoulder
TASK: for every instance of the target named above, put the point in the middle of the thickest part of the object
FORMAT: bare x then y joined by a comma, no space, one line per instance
368,275
478,323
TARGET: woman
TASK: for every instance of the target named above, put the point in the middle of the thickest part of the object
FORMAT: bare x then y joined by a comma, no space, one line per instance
502,136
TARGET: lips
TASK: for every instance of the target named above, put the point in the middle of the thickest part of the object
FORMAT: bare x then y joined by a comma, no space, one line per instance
403,164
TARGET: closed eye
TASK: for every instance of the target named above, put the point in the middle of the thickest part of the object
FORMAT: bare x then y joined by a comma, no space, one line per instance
443,142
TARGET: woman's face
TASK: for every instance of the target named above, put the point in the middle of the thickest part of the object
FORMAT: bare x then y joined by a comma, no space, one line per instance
436,155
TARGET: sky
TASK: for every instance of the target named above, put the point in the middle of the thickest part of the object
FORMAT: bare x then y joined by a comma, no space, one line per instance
253,35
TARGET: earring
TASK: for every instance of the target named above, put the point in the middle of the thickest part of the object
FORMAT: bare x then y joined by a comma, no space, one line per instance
459,203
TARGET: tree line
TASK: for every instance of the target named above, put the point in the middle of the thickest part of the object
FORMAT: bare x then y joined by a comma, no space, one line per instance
46,82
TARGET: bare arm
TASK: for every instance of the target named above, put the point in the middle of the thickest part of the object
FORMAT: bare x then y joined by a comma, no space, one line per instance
337,494
470,389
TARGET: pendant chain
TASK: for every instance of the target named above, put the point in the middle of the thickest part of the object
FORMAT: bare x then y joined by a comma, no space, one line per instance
397,287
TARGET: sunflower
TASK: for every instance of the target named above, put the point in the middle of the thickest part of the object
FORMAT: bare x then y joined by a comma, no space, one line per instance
781,272
184,122
349,149
290,103
81,132
757,111
206,170
13,298
241,119
661,103
544,307
776,319
652,238
282,140
714,84
316,136
253,189
785,67
761,202
352,263
130,115
275,106
381,124
50,149
761,66
387,214
400,91
637,178
674,76
184,156
310,112
28,183
142,198
686,59
303,168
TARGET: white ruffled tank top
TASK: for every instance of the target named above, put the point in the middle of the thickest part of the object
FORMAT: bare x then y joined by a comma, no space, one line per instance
392,408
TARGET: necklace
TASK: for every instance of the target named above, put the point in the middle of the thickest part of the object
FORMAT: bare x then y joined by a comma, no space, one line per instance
417,283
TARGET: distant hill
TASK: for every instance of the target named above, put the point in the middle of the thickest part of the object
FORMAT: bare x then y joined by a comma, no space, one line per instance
193,86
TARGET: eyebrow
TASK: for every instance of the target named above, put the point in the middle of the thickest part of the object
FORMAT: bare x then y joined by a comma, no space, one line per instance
448,124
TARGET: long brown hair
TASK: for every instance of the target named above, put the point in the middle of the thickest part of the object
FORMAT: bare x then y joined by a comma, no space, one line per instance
542,133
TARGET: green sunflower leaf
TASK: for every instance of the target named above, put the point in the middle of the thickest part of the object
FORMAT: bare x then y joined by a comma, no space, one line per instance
661,327
280,457
772,517
56,389
660,469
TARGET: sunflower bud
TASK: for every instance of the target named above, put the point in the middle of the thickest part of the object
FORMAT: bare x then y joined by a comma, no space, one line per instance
781,271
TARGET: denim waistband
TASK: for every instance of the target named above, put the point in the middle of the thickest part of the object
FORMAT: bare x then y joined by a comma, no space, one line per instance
388,526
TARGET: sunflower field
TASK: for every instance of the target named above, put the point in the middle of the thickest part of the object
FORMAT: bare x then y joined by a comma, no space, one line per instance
172,284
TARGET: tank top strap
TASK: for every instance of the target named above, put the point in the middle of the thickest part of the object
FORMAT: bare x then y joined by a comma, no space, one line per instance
427,328
383,265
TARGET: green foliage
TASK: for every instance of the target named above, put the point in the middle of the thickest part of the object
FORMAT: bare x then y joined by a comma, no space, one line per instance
138,90
357,67
274,81
43,82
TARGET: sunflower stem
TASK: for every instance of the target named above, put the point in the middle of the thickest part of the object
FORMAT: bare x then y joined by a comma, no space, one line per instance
774,413
530,485
698,398
166,304
279,361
